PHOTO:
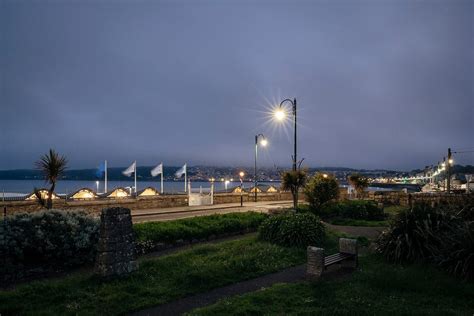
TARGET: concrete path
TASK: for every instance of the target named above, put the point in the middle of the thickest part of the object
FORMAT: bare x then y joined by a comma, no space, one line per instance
166,214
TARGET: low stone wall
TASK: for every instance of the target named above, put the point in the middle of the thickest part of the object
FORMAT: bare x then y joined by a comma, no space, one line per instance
404,199
160,201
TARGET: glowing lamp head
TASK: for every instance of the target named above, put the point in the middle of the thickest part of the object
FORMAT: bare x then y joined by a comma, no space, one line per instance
279,114
241,174
325,175
264,142
451,161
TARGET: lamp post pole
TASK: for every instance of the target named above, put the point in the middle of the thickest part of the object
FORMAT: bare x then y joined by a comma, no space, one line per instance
295,159
241,174
255,169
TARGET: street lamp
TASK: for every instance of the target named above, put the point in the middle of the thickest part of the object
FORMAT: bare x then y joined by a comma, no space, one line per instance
241,175
280,114
97,186
263,142
226,183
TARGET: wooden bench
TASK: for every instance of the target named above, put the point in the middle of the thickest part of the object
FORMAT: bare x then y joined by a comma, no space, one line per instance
347,257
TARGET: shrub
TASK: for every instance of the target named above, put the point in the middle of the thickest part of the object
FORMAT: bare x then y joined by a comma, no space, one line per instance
152,233
321,188
293,229
441,235
359,209
413,234
50,238
455,252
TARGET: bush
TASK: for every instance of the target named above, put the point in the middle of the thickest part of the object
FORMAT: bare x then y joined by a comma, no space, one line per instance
152,233
293,229
359,209
50,238
435,235
321,188
455,253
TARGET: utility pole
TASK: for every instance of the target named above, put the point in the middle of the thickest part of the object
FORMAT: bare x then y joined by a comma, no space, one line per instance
448,172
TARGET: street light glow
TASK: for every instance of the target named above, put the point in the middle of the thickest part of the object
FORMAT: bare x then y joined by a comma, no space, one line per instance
264,142
280,114
241,174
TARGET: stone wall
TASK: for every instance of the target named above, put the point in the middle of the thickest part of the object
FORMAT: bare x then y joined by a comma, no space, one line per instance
402,198
160,201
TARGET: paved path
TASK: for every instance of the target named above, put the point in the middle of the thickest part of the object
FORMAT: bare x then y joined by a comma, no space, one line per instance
166,214
187,304
290,275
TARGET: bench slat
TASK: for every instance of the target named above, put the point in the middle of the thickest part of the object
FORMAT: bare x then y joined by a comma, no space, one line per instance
335,258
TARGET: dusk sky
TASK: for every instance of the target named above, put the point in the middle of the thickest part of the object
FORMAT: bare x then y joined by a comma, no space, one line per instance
379,84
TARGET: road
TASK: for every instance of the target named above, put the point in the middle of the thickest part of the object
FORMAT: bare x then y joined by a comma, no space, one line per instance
166,214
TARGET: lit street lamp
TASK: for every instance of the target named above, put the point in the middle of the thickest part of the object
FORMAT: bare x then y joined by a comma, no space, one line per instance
264,143
280,115
97,186
241,175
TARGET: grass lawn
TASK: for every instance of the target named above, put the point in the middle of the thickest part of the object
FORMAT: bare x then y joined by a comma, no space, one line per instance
394,209
158,280
378,288
357,222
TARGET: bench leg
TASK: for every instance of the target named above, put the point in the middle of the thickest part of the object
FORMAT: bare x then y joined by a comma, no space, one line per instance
350,246
315,265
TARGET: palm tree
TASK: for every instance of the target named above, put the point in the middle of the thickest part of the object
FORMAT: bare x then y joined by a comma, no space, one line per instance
52,165
293,181
359,183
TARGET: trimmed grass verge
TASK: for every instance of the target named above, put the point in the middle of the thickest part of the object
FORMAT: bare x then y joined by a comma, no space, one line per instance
378,288
357,222
159,280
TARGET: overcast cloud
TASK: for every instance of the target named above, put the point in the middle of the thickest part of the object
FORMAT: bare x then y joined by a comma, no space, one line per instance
379,84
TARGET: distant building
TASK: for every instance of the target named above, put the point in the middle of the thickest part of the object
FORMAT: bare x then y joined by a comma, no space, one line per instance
83,194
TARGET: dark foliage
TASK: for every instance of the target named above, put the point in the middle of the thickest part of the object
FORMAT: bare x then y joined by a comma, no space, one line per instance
359,209
321,188
293,229
441,235
46,239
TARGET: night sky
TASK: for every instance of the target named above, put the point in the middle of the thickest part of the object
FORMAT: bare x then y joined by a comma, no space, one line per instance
379,84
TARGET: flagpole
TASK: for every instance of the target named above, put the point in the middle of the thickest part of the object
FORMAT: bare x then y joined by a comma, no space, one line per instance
162,170
135,178
105,184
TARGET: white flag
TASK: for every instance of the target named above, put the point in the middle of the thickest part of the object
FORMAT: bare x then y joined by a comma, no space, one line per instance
157,170
180,172
128,172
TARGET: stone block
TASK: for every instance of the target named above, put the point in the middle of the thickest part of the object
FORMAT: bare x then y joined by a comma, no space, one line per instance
315,264
116,249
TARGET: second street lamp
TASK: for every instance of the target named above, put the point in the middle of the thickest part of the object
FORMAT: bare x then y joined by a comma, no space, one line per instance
264,143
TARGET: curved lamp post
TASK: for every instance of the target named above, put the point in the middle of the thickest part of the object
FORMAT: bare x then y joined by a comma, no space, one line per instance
280,115
241,176
264,143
